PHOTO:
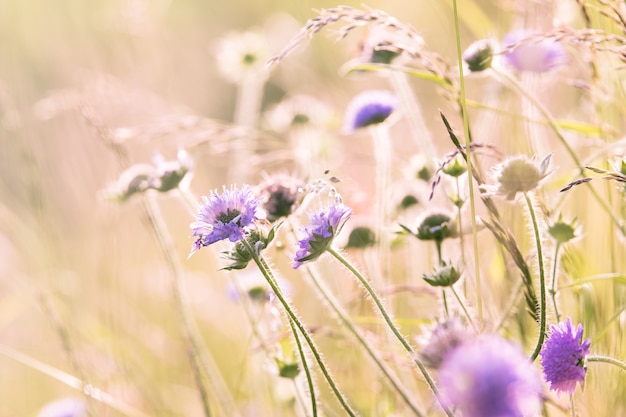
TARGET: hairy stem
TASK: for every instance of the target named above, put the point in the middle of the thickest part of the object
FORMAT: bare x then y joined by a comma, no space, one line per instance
542,279
267,273
392,326
553,290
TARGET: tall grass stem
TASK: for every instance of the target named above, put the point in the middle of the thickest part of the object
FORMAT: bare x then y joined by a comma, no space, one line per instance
466,131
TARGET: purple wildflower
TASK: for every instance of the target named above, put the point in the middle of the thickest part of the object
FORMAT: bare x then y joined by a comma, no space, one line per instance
325,225
225,216
368,108
65,407
563,356
490,377
532,53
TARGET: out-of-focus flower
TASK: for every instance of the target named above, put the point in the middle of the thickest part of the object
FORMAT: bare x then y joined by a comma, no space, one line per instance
225,216
134,180
519,174
242,55
436,226
361,237
324,226
64,407
280,195
383,44
563,357
163,176
441,339
490,377
369,108
479,55
528,51
563,231
297,111
170,174
418,168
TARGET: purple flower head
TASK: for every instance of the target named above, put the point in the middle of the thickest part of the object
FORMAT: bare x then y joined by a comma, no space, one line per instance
65,407
225,216
368,108
563,357
531,52
325,225
490,377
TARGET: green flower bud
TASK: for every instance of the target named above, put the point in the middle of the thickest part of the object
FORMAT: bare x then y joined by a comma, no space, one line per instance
240,256
563,231
446,276
479,55
289,370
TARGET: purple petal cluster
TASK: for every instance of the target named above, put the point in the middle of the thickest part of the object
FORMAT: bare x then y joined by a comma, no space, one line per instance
563,357
368,108
530,53
490,377
225,216
324,226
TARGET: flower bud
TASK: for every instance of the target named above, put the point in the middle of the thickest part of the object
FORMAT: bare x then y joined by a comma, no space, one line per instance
479,55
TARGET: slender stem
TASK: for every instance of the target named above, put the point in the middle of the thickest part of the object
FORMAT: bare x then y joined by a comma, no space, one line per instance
267,273
250,94
307,371
413,112
511,305
607,359
462,304
479,300
348,324
189,199
460,223
160,229
572,405
553,290
542,279
444,300
71,381
382,155
392,326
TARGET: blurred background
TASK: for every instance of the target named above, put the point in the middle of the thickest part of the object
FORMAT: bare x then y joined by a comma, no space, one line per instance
89,88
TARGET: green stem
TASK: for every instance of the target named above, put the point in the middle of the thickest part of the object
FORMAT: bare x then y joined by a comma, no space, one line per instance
348,324
542,279
392,326
267,273
607,359
553,290
444,300
466,131
307,370
160,229
462,304
305,365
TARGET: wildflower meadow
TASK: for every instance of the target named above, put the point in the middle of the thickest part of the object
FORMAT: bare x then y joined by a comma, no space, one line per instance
301,208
